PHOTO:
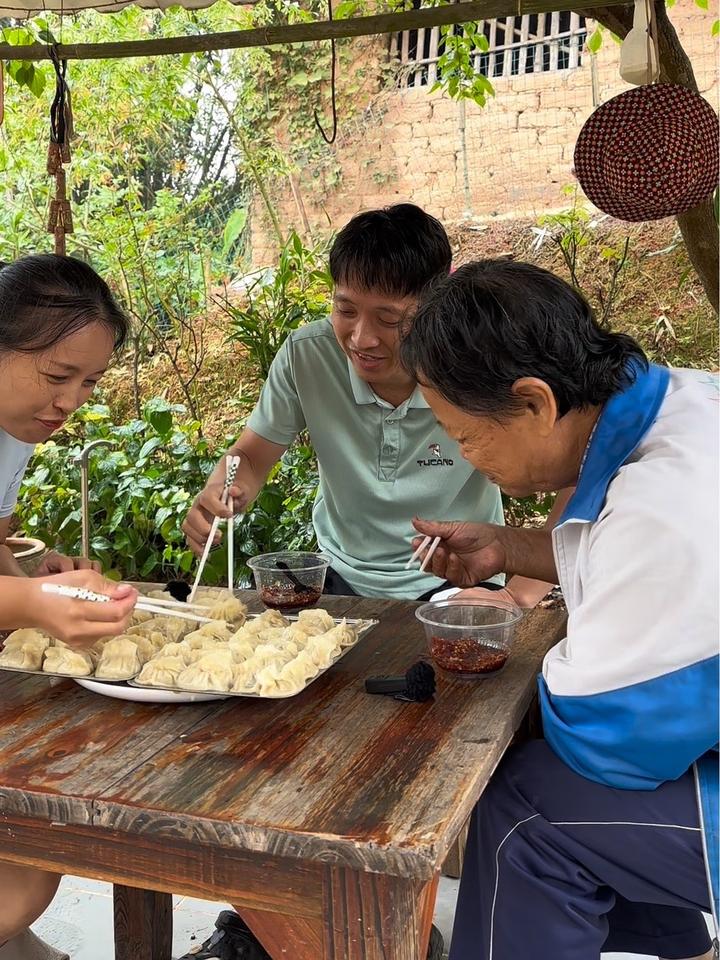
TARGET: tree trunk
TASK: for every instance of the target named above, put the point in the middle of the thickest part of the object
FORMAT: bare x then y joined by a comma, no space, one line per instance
698,226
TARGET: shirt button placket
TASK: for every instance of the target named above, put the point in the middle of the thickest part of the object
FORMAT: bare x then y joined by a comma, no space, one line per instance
390,450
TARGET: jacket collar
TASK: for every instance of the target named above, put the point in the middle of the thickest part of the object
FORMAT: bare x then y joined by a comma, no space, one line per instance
625,419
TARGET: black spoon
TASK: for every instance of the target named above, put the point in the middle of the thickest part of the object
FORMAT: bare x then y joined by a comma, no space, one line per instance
299,587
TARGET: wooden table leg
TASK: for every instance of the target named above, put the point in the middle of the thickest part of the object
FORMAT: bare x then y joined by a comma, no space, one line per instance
143,924
366,916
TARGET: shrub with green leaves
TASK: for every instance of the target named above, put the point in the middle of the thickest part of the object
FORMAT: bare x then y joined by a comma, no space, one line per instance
141,489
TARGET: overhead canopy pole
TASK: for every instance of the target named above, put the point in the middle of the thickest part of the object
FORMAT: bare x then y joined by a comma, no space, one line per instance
301,32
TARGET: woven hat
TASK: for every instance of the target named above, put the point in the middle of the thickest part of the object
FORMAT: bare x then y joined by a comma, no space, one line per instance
649,153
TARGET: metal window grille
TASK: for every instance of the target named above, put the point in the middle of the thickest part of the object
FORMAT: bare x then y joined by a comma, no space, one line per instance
533,43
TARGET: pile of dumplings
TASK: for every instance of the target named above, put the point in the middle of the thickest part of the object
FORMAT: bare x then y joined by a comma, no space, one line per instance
267,655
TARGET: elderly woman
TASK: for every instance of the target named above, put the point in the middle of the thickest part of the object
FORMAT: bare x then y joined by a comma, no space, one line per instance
603,836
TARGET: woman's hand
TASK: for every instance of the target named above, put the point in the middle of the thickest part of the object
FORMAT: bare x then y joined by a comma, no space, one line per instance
53,563
79,623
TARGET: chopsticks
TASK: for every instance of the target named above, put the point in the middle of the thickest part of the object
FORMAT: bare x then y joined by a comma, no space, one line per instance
428,556
175,604
149,606
230,471
231,468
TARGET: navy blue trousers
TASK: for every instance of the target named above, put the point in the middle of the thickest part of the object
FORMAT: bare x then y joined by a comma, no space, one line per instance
558,867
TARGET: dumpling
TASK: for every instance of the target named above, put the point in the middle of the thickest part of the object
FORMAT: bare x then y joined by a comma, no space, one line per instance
241,650
28,656
140,616
289,648
267,653
214,671
271,634
218,629
271,618
204,594
230,609
161,672
298,633
303,665
145,646
181,650
319,619
70,663
268,680
157,639
120,660
343,634
18,637
194,655
158,595
200,641
322,650
172,628
244,677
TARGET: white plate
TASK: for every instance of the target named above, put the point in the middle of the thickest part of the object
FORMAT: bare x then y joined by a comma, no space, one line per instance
143,694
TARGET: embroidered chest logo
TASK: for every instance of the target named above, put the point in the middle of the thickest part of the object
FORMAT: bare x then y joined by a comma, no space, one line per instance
436,459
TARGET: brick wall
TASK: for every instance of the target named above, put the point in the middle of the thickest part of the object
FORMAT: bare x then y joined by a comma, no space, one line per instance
518,149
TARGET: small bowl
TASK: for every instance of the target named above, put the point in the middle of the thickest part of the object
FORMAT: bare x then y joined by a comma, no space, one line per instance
469,639
277,590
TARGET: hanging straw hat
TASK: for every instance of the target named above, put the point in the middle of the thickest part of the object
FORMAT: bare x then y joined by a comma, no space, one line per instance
649,153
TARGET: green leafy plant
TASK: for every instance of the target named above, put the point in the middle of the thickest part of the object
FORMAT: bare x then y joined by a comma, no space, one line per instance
141,489
296,291
573,232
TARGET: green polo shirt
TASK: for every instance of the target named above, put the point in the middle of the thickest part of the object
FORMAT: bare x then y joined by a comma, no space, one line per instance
379,465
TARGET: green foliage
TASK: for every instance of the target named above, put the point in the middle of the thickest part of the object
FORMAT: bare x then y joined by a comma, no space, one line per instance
141,489
456,67
279,301
573,231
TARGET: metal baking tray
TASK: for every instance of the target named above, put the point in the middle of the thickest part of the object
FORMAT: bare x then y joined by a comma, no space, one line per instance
363,627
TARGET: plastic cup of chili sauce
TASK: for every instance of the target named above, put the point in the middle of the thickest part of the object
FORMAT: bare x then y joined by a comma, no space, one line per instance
289,580
469,639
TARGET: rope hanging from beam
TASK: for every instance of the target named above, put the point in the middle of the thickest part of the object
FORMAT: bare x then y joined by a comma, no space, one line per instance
60,220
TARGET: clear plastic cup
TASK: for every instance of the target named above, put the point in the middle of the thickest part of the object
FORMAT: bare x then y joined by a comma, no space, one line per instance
289,580
469,639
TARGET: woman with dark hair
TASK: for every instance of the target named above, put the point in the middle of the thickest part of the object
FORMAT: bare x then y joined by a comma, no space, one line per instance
604,836
59,327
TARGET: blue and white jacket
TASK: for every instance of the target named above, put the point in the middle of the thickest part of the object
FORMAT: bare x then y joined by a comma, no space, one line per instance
630,697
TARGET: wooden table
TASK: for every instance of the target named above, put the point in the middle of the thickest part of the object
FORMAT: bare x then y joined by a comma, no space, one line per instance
325,818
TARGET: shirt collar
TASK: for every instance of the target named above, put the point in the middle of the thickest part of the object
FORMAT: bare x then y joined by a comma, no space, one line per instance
624,420
363,393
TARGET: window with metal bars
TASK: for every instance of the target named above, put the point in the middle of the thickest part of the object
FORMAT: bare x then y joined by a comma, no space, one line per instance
533,43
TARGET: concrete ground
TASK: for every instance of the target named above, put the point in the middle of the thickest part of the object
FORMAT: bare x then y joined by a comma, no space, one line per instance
79,920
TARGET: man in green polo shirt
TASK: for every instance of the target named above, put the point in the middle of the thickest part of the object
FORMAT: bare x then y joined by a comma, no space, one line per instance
382,456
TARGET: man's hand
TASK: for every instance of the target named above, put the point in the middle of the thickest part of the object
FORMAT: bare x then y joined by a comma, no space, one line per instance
208,505
79,623
467,553
53,563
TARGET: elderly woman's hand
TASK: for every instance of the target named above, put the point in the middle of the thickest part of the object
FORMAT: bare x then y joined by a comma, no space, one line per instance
468,553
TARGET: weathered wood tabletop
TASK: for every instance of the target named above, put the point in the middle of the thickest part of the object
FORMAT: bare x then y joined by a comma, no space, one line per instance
325,817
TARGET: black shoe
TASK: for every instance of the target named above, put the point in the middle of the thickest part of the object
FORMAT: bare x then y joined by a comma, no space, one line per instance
231,940
436,947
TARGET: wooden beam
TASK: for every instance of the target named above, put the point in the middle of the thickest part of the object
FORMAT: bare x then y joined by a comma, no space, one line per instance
298,32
